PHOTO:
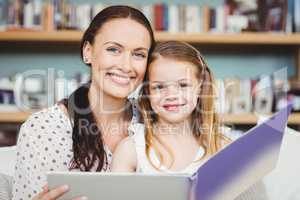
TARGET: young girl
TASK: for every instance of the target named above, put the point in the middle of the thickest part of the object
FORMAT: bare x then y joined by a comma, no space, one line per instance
180,127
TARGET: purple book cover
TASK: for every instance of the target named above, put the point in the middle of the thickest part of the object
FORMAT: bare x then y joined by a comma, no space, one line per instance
244,162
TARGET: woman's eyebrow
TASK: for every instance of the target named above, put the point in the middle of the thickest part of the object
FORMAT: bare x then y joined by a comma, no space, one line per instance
118,44
115,43
141,48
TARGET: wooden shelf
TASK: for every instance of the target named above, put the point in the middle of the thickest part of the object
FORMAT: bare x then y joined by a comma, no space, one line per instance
294,119
205,38
13,117
41,36
227,38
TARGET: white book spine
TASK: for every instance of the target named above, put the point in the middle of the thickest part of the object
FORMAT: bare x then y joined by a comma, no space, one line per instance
220,15
173,19
148,12
193,19
83,16
297,15
28,15
220,102
60,89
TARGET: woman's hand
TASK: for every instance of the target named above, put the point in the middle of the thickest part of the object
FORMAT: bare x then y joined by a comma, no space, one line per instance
47,194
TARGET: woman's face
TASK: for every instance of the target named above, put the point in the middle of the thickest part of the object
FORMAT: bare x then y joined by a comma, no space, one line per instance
118,56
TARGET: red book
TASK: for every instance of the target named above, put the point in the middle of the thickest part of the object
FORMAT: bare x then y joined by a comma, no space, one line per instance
159,17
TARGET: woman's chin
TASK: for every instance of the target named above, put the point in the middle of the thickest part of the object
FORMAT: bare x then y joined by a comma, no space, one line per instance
116,92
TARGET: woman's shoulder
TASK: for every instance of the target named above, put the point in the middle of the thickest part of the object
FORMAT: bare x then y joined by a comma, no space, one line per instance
47,125
51,115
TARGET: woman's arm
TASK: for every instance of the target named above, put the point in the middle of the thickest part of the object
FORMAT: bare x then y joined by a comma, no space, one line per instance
125,157
29,174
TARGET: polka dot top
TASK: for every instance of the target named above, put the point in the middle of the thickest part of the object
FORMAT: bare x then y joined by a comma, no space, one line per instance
45,144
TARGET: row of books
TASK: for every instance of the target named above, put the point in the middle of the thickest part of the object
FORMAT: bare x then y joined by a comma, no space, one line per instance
28,93
232,16
46,15
263,95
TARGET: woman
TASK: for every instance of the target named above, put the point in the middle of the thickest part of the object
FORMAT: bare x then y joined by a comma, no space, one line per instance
82,133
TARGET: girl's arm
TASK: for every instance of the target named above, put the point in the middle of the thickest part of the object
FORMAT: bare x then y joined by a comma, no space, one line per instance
125,157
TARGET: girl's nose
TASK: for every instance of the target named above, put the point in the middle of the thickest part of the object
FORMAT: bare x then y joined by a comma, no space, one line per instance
172,92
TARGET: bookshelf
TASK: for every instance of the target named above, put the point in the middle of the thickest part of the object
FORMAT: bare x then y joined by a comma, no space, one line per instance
294,119
199,38
13,117
211,39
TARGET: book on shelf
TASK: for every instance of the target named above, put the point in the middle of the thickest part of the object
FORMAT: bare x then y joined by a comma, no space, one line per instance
231,16
261,95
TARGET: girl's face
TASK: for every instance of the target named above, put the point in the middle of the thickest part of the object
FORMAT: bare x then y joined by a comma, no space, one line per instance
118,56
174,89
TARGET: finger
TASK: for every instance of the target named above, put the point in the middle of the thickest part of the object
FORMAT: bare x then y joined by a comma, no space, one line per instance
80,198
56,193
45,188
42,193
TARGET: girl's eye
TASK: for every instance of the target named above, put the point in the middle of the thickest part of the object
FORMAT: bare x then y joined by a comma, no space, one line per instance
113,50
157,87
183,85
139,55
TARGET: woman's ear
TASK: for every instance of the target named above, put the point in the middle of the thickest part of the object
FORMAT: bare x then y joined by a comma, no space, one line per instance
87,53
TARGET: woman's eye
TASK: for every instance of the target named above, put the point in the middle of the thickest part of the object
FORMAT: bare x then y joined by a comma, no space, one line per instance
139,55
113,50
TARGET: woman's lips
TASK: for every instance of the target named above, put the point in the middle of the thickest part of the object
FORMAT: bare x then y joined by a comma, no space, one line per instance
120,79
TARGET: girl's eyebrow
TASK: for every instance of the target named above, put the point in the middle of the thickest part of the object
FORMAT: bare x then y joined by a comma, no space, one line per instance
183,79
121,46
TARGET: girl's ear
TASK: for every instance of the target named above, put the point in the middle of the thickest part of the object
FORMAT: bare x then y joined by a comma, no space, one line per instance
87,52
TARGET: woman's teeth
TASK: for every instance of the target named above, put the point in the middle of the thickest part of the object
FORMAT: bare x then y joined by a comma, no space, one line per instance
119,79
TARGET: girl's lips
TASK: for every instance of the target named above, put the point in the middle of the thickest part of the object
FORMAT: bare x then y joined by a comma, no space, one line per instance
172,107
119,79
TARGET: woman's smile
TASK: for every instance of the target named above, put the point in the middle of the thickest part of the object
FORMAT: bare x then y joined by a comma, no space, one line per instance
120,79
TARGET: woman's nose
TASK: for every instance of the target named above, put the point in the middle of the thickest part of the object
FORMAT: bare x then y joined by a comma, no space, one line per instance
126,62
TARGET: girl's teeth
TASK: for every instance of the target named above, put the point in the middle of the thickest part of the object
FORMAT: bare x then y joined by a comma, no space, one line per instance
172,108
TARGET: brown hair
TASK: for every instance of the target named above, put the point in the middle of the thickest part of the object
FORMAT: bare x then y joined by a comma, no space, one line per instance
88,145
205,121
115,12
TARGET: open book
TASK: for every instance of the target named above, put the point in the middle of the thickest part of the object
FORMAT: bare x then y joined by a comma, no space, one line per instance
223,177
244,162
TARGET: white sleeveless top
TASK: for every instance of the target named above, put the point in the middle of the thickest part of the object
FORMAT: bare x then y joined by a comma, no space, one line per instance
144,165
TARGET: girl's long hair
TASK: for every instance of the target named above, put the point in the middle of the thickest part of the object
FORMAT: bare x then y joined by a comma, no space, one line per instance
205,121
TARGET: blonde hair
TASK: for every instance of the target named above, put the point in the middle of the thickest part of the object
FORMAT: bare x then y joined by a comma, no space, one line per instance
205,121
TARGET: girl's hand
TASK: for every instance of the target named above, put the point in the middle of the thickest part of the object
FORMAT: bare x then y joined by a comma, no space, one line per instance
47,194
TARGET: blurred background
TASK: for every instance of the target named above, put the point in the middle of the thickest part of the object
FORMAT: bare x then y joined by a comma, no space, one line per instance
252,47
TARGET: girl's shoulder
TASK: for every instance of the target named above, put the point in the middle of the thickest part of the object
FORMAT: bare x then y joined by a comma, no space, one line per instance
136,129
